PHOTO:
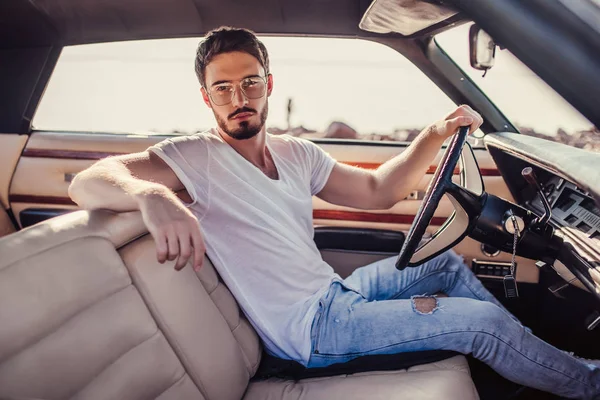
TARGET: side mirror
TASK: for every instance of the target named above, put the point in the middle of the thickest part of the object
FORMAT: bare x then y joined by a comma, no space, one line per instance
482,49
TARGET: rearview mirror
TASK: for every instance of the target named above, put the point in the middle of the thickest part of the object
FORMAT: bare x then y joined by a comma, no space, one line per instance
482,49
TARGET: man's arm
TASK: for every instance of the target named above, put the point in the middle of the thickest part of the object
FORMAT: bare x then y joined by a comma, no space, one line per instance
142,181
393,180
115,182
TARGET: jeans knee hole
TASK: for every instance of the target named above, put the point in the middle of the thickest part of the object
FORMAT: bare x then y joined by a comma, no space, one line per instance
424,305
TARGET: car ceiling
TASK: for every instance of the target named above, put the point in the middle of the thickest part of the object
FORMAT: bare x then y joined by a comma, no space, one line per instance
25,23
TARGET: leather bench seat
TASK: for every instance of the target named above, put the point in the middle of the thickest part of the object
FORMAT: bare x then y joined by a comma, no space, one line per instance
447,379
86,312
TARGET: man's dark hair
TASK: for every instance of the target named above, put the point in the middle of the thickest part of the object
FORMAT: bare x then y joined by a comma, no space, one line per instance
227,39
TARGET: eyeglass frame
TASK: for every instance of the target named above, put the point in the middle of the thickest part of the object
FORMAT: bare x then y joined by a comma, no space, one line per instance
238,85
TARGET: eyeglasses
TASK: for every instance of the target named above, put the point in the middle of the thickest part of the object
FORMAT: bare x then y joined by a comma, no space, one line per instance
253,88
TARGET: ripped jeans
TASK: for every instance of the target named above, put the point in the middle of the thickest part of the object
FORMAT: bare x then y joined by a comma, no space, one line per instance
380,310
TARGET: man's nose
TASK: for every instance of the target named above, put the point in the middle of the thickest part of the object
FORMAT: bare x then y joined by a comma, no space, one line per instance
239,99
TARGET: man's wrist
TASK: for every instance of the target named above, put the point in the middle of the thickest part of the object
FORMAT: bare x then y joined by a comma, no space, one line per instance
433,134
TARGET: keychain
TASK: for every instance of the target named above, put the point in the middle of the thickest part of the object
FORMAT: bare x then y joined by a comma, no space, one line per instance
510,281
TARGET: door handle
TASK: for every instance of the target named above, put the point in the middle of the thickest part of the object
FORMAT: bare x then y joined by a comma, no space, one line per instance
69,176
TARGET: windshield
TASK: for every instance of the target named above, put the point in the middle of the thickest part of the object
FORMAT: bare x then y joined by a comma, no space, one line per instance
525,99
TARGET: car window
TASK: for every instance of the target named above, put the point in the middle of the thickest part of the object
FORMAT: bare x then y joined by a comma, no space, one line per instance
525,99
323,88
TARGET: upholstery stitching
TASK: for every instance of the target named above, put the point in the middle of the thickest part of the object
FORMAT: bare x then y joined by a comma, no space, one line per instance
133,239
239,322
246,356
177,381
252,365
216,303
249,363
213,289
146,340
227,292
62,243
54,329
257,359
168,334
246,359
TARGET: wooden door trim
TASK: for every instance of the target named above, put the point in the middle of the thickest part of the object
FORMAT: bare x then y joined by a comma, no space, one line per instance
97,155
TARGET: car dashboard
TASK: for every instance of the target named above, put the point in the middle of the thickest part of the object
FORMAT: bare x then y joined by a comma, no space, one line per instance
570,183
571,207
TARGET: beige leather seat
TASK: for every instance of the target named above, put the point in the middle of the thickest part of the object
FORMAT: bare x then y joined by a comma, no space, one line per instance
86,312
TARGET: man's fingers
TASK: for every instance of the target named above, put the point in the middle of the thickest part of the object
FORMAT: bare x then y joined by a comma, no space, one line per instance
161,248
464,116
465,121
457,122
472,122
185,251
173,245
199,249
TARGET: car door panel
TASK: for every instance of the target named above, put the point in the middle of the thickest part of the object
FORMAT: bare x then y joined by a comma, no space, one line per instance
11,147
346,249
344,261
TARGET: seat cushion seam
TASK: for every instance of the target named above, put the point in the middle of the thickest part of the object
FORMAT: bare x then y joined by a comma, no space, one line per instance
133,239
62,323
246,359
252,365
239,323
211,290
168,334
11,264
177,380
152,336
257,362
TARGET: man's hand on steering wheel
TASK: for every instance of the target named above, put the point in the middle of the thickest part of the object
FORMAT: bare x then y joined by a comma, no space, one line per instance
462,116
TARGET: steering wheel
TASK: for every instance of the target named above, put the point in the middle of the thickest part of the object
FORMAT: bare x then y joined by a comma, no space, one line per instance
467,198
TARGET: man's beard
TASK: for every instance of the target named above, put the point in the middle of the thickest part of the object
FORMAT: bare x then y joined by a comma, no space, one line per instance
246,130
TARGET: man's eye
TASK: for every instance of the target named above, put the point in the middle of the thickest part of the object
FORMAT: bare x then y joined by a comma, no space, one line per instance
222,89
249,83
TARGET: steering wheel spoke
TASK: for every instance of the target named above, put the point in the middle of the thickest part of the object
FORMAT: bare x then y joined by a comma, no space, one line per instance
451,232
467,200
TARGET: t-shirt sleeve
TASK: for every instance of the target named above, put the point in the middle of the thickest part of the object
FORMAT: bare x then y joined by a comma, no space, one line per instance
188,157
319,164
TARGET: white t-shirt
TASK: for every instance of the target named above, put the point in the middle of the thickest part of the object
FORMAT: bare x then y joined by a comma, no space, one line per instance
259,231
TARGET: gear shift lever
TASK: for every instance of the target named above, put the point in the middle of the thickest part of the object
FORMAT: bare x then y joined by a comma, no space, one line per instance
531,178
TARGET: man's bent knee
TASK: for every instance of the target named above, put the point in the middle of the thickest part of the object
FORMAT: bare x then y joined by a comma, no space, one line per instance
451,261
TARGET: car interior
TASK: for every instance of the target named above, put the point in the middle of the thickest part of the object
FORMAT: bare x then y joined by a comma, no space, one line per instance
87,312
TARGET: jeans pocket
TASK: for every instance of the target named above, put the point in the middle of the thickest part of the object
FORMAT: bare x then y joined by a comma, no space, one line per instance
316,327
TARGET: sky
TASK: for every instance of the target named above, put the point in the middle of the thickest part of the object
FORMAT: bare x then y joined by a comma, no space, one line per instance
142,86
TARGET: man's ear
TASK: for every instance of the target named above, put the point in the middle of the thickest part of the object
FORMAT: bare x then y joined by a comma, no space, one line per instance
269,84
205,97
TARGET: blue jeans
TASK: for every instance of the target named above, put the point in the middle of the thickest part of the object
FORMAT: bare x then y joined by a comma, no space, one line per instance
380,310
